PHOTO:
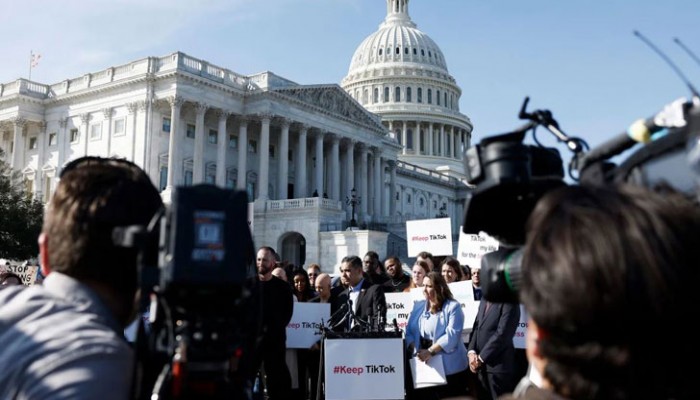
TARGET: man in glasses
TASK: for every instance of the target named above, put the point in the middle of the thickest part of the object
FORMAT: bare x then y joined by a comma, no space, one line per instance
64,340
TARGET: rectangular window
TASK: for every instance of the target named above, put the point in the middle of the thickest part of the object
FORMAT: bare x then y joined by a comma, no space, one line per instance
163,181
74,136
190,131
188,178
232,141
230,179
33,143
119,126
53,139
213,135
290,155
210,179
252,146
166,124
96,132
272,151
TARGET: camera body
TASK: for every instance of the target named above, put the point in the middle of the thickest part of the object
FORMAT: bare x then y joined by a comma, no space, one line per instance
510,177
203,310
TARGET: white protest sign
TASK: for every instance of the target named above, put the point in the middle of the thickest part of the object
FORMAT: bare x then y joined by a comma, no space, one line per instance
431,235
364,368
464,294
398,306
519,337
251,216
26,272
417,294
304,329
472,247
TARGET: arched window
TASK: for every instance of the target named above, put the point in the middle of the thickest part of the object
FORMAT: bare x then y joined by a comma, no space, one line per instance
380,52
408,95
430,96
397,94
437,95
415,51
398,50
405,50
365,94
445,99
409,138
386,94
422,52
419,95
375,98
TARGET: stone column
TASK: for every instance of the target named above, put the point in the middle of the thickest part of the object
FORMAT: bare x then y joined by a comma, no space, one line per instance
174,157
364,177
416,139
392,188
41,144
350,167
443,148
221,147
84,127
132,108
107,113
264,157
404,137
377,212
335,167
283,166
318,181
431,150
300,173
199,138
62,124
17,161
242,153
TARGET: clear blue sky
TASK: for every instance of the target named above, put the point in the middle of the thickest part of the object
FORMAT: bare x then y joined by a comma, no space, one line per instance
577,58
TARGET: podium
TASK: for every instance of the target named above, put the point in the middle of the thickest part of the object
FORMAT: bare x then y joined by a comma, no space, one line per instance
363,365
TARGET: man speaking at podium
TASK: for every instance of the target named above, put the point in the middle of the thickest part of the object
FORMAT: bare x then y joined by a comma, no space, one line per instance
366,302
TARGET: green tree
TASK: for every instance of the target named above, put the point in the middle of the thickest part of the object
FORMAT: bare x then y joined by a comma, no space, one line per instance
21,216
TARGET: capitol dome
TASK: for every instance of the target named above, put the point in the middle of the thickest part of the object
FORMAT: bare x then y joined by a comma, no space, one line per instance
400,73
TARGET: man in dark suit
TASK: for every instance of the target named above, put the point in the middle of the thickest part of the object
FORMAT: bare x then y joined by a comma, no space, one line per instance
367,300
491,351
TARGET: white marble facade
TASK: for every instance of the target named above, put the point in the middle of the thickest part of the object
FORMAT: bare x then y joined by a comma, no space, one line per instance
186,121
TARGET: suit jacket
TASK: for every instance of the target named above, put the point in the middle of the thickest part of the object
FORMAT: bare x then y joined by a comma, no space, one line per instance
370,302
492,336
448,334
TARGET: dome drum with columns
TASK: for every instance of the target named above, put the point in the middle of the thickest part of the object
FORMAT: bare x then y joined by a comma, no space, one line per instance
297,150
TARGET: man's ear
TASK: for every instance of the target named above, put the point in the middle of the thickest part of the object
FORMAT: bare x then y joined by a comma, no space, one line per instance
44,254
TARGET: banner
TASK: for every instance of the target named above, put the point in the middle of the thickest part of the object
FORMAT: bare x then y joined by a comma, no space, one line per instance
431,235
28,273
464,294
398,306
304,329
364,368
472,247
519,337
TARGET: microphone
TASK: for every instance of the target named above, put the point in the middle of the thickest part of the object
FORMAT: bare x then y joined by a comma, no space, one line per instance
641,131
339,311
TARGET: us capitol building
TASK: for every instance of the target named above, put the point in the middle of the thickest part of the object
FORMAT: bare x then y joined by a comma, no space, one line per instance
391,135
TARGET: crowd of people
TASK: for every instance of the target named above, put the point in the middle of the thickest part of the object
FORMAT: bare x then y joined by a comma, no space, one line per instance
600,268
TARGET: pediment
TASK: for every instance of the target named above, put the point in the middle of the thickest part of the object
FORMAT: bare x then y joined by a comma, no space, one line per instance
334,100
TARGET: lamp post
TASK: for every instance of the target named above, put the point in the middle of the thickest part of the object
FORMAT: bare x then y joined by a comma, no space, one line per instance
442,211
353,201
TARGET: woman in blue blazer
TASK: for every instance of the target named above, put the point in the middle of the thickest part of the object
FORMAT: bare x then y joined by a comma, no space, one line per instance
435,327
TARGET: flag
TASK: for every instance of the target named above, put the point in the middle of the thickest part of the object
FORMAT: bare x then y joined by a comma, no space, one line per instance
35,59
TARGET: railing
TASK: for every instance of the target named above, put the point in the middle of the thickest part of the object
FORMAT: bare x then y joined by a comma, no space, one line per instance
420,170
309,202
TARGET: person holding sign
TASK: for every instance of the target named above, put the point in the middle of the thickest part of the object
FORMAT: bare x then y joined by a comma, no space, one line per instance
435,328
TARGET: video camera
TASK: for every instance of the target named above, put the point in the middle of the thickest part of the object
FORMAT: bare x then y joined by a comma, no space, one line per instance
203,311
510,177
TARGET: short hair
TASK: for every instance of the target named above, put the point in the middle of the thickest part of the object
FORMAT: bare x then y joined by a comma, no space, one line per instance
94,196
314,266
424,265
600,265
353,261
271,250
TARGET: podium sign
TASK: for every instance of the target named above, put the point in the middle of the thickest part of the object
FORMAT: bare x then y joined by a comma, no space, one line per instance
368,368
